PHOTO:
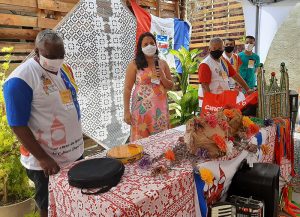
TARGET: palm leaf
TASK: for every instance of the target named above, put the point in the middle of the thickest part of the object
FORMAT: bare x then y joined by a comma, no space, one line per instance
178,54
174,106
174,96
174,71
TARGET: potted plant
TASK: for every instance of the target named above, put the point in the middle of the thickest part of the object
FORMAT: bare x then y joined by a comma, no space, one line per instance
15,192
186,100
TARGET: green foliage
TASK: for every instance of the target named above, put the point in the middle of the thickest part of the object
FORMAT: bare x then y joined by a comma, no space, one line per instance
186,101
189,63
14,185
185,106
243,39
33,214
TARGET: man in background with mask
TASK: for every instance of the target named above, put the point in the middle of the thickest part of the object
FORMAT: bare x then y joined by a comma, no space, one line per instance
215,70
42,110
250,62
233,58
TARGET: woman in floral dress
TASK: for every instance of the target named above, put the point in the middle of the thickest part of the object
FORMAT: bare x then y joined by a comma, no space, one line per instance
149,107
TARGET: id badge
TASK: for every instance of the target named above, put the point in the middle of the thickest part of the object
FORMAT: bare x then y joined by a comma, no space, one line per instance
251,64
155,79
66,98
224,75
49,89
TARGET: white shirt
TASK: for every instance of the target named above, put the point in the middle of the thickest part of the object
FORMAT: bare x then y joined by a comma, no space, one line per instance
231,80
54,122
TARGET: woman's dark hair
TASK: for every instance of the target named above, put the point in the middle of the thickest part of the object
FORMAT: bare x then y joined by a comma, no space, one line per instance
140,59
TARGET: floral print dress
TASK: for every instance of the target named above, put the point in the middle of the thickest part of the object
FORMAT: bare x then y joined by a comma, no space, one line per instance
149,108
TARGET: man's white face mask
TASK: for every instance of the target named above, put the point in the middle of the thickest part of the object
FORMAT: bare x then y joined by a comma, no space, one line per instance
249,47
51,65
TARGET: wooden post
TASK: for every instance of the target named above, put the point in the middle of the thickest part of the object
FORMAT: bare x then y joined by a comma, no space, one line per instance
182,9
158,11
177,9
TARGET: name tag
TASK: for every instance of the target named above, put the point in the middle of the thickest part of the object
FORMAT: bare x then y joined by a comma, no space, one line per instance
49,88
251,64
224,75
155,79
66,99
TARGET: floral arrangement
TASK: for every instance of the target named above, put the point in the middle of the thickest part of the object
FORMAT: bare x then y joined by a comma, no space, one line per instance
218,133
169,159
206,175
209,136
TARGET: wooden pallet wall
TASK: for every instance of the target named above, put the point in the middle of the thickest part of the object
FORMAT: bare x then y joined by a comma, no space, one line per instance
160,8
21,20
215,18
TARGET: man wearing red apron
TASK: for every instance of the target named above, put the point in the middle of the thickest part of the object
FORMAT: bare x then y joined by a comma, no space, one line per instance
215,71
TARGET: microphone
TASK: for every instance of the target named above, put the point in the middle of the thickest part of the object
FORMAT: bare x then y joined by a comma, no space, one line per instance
156,62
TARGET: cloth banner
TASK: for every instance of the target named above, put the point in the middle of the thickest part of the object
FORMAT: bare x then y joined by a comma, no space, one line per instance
223,169
214,102
223,172
250,99
170,33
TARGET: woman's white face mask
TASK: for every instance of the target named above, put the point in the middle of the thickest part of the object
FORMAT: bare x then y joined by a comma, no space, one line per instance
149,50
249,47
51,65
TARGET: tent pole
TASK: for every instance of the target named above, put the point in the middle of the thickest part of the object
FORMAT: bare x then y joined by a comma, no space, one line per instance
257,28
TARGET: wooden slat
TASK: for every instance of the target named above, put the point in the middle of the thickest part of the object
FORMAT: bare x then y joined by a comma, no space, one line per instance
47,23
233,25
222,20
167,6
14,58
12,67
218,9
8,7
17,20
147,3
206,3
55,5
9,33
168,14
202,45
153,11
88,142
193,79
70,1
18,46
23,3
207,39
219,32
220,15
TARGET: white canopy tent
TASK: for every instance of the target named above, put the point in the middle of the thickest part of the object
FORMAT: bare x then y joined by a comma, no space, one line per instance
263,19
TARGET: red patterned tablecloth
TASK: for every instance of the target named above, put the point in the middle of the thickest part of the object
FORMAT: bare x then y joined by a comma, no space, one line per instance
138,193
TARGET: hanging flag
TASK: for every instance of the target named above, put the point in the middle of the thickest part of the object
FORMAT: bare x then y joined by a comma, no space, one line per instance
170,33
